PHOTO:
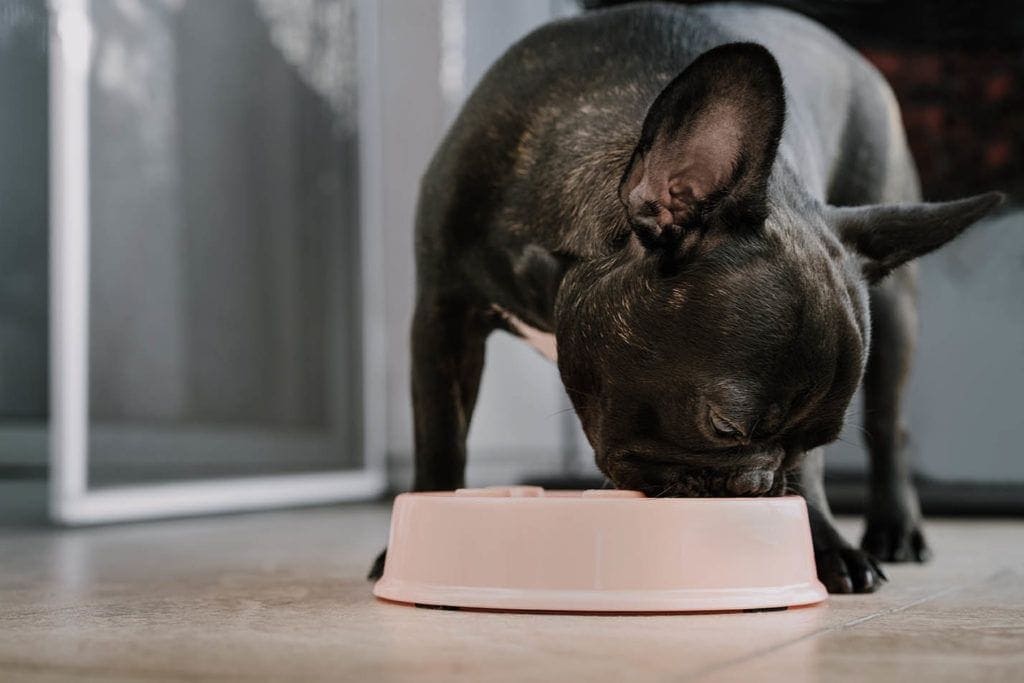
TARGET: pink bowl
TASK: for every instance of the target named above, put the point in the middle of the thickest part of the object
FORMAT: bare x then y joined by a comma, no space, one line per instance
525,548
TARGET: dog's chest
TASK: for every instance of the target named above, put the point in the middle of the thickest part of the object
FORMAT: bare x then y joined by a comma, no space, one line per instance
543,342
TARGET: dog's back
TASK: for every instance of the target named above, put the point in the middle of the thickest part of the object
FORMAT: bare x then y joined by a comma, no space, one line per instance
540,144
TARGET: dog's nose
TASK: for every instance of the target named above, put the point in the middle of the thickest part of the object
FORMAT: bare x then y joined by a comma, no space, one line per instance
754,483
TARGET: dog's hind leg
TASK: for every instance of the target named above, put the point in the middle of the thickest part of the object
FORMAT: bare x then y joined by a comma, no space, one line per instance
878,168
893,532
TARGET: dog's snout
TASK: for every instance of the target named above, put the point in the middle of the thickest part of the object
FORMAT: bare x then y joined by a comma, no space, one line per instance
752,483
714,474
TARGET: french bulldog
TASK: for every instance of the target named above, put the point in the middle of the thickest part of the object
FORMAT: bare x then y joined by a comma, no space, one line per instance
707,214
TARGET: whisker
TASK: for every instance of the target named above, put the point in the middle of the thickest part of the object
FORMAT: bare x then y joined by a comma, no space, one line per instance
849,443
663,491
859,428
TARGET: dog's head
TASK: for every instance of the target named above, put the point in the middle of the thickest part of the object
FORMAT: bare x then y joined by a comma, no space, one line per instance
728,333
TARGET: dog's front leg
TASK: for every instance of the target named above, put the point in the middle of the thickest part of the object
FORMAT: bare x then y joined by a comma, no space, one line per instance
841,567
448,341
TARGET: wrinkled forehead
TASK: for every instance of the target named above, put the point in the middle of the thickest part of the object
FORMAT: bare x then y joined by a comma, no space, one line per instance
753,308
738,288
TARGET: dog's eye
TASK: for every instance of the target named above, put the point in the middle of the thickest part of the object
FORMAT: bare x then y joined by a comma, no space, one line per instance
722,427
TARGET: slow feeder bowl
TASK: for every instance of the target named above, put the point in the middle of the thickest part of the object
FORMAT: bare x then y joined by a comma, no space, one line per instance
524,548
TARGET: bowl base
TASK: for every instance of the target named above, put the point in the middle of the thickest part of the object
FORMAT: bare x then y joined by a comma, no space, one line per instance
615,602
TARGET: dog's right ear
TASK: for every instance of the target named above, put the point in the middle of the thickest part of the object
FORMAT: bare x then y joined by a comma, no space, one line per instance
707,145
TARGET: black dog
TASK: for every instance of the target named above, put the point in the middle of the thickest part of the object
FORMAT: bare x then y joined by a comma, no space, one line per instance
658,187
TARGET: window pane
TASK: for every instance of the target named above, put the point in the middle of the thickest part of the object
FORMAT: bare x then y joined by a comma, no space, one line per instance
224,188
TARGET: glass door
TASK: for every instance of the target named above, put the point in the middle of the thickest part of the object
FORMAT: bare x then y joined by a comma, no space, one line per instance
212,270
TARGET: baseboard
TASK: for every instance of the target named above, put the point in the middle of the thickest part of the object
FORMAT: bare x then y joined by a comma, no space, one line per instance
848,493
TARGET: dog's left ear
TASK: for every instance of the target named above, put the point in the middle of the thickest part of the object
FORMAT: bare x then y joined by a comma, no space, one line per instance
885,236
707,145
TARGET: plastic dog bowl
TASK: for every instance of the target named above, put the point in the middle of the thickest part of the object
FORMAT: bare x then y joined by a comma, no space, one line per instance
524,548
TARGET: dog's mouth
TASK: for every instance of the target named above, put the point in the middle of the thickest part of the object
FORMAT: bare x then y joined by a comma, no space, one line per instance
761,475
750,483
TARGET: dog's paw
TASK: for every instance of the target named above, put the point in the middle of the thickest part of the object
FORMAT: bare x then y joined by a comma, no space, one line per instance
377,570
848,570
895,540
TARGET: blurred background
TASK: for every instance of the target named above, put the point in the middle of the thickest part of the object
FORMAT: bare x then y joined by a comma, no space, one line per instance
227,189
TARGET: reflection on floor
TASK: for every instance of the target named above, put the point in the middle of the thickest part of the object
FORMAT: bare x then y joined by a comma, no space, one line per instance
280,596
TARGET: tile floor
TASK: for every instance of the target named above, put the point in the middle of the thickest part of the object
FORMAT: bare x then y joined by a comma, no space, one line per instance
280,596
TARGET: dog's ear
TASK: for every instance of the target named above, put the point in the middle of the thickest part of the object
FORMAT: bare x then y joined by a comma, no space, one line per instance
707,145
885,236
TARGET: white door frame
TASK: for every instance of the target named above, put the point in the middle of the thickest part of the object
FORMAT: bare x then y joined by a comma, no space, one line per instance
71,499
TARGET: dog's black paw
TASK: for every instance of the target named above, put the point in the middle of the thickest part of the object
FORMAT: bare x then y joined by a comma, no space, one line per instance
895,540
848,570
377,570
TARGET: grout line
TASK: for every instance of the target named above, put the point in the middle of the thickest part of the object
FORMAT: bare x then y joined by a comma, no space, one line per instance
716,668
902,608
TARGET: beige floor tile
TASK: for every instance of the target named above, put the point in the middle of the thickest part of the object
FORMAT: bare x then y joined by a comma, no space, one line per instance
969,633
280,596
